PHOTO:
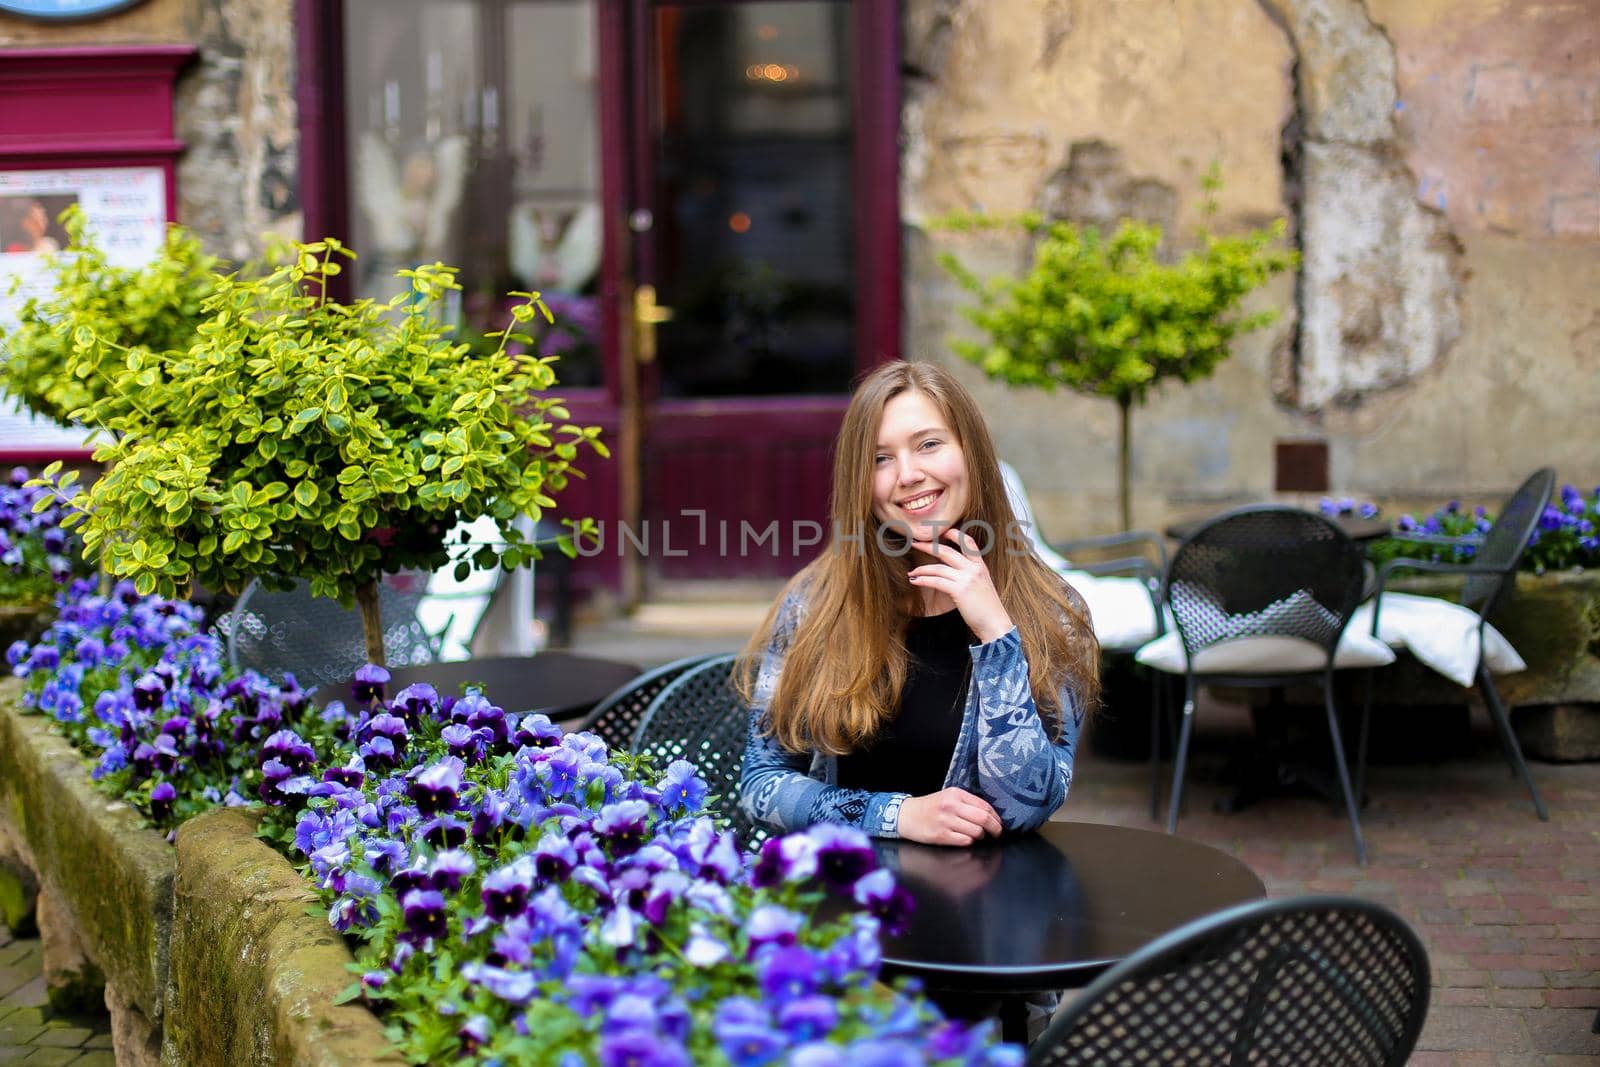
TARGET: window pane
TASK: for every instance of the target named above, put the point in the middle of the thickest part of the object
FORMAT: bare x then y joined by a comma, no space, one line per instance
554,221
473,140
413,94
755,251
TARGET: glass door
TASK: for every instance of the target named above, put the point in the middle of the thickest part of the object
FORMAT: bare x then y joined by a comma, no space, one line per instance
749,251
473,139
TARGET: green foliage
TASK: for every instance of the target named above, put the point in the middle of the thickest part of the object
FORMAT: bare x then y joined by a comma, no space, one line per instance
300,437
1105,316
154,308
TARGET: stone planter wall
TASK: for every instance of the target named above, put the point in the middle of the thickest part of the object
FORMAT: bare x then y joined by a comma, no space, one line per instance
254,976
24,623
105,882
207,952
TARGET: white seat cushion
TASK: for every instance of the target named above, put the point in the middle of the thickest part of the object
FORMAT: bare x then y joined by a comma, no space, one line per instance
1443,635
1124,616
1265,654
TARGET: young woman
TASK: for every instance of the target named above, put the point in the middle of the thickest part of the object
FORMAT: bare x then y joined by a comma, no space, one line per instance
918,679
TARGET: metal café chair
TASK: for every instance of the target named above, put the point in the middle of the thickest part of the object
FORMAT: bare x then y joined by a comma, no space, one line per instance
1262,597
616,718
318,641
1334,981
1490,579
701,719
1145,561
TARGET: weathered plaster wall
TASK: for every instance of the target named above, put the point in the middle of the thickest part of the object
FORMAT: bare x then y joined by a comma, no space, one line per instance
235,108
1438,160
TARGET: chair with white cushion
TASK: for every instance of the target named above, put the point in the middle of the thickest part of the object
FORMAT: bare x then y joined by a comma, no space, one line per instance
1455,638
1262,597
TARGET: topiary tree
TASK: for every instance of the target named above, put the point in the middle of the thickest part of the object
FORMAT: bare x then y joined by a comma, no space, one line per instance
154,308
304,438
1106,317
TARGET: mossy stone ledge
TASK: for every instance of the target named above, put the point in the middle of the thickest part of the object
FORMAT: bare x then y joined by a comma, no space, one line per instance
255,966
111,874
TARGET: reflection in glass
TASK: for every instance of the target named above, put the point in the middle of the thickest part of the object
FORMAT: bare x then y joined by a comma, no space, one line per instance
473,140
752,126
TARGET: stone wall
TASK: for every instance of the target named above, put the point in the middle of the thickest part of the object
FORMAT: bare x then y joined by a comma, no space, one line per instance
235,108
1436,161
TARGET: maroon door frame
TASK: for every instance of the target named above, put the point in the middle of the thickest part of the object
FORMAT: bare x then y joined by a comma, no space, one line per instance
612,491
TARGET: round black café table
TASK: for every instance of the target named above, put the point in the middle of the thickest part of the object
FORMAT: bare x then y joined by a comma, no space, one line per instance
561,685
1050,910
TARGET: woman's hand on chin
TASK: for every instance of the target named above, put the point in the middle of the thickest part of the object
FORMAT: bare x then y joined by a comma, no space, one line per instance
963,576
949,817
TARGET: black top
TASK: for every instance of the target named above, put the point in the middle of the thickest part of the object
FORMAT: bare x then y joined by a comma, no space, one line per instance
911,753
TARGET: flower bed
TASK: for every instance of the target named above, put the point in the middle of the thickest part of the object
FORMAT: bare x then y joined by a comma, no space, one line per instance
523,895
513,894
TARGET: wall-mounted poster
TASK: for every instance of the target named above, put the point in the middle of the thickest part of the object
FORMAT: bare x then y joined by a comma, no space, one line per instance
125,208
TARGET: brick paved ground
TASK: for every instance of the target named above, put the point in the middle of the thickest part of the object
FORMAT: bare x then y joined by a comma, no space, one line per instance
1508,907
29,1033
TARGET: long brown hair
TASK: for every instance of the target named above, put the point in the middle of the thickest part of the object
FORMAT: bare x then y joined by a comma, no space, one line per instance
846,660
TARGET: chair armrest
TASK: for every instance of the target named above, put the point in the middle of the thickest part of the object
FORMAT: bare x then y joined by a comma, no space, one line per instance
1449,540
1147,538
1132,566
1427,566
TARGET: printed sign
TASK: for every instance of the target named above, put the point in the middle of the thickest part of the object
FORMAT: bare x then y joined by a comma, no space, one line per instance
126,213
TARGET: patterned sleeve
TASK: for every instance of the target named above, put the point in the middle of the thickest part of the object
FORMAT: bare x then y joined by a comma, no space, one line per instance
776,790
1021,771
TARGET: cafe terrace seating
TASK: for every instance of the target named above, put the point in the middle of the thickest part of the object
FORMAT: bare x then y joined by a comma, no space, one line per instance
616,718
1120,593
700,718
1262,596
1456,639
1305,980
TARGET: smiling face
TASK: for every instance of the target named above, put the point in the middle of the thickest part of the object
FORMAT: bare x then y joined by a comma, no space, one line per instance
919,471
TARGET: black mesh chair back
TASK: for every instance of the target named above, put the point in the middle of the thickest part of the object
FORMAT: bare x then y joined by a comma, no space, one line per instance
700,718
1331,981
1264,571
318,641
1506,541
616,718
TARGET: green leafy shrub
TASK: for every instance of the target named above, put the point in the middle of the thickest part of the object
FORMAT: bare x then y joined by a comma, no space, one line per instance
1105,316
304,438
154,308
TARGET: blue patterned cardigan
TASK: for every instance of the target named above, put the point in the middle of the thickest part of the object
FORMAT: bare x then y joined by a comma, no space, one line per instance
1003,753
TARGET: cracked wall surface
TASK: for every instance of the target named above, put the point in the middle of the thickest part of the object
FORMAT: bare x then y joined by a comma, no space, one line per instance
1438,162
1379,292
235,108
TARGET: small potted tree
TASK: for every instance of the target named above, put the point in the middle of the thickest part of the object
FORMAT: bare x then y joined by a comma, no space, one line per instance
304,438
1106,316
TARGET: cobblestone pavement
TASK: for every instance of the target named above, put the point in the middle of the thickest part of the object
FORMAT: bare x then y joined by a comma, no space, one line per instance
1508,906
29,1032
